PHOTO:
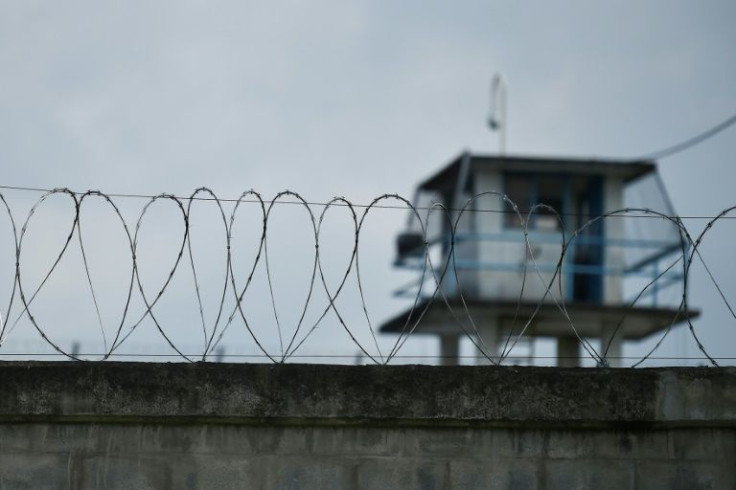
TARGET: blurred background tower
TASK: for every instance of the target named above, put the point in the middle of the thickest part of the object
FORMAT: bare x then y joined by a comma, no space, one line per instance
614,283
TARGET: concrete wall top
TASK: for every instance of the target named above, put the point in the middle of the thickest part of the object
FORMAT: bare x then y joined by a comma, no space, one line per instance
366,395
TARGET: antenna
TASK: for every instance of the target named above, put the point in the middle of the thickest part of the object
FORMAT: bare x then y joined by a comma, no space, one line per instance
497,116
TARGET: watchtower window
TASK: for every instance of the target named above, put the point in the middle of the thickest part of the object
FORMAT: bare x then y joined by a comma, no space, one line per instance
520,190
550,192
527,190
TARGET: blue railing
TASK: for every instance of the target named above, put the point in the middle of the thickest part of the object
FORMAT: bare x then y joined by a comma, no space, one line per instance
646,268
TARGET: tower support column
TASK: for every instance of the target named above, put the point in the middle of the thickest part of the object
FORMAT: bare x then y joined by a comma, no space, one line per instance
568,352
487,343
614,345
449,350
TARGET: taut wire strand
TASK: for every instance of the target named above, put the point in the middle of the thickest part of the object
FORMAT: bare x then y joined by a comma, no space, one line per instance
444,241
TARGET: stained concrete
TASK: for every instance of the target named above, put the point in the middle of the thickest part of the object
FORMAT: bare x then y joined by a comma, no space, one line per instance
124,425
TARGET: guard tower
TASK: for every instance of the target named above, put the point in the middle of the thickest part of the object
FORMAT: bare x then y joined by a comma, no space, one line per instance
615,281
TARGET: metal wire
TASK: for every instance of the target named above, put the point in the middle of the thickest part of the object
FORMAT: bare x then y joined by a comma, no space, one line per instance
299,202
292,339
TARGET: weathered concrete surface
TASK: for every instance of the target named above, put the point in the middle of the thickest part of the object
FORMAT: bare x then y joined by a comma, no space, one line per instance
66,391
125,456
123,425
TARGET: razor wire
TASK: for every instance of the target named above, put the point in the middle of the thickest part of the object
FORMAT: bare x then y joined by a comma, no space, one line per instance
438,272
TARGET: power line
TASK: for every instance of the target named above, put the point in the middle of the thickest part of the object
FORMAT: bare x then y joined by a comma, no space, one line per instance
689,143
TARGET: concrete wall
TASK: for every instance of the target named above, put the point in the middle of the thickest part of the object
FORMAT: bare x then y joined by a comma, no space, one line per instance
122,425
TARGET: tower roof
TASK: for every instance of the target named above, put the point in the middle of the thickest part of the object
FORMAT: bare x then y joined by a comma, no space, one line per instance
627,169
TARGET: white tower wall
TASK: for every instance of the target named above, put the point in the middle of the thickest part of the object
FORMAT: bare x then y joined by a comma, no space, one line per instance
613,229
511,251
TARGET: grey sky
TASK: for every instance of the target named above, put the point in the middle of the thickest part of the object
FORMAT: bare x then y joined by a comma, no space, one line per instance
361,98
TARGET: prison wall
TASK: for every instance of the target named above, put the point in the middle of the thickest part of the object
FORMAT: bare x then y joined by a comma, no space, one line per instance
74,425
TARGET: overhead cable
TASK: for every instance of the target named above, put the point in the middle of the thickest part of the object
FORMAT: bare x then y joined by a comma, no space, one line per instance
689,143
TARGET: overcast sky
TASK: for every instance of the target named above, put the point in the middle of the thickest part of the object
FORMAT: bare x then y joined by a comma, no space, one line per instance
362,98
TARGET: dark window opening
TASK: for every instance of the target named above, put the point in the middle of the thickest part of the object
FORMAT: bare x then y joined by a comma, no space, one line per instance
528,190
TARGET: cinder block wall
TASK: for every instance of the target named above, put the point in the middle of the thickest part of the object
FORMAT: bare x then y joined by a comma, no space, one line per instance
213,426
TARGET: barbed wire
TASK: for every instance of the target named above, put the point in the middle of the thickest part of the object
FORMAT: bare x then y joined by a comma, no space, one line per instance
439,284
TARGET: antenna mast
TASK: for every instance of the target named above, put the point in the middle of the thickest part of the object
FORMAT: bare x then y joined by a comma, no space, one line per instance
497,115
